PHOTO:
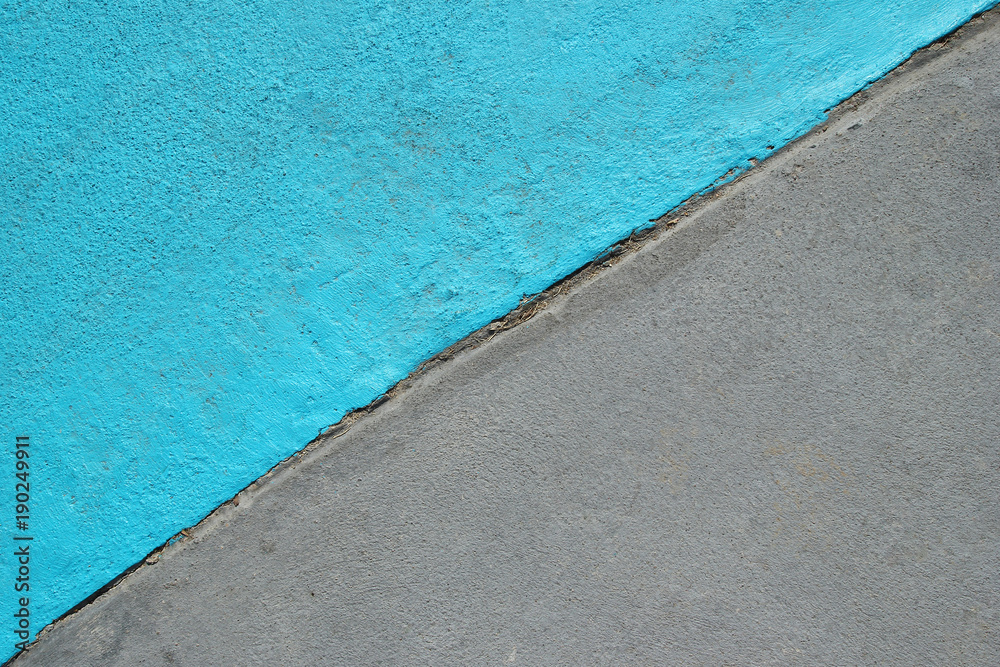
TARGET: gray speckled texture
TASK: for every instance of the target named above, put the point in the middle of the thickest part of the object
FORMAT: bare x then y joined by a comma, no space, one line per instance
771,436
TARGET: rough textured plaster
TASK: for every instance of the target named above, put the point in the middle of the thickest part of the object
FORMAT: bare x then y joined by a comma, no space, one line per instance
227,224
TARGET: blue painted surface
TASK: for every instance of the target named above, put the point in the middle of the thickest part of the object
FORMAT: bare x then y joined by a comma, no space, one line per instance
226,225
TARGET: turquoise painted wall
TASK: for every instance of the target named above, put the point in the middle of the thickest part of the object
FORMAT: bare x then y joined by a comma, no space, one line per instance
227,224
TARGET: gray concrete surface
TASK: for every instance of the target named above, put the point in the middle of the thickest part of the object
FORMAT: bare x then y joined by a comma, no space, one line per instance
769,437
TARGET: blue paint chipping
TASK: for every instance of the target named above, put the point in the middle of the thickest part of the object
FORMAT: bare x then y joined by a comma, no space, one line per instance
227,224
